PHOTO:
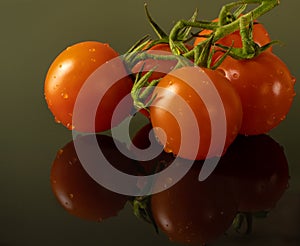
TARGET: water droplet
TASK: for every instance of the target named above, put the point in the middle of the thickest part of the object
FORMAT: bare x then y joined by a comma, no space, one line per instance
293,80
70,126
70,163
70,114
64,95
168,150
92,50
71,195
93,60
57,120
68,48
170,82
59,153
235,75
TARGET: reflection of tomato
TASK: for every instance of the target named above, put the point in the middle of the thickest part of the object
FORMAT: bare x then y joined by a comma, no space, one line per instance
66,76
259,168
77,192
167,110
194,212
260,37
266,89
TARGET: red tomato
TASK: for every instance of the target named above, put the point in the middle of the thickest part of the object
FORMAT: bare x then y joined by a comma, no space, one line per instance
77,192
260,37
259,169
194,212
66,76
266,89
220,97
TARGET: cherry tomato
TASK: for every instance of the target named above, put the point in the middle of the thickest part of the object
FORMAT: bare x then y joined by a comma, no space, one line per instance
259,169
260,37
66,76
194,212
167,110
77,192
266,89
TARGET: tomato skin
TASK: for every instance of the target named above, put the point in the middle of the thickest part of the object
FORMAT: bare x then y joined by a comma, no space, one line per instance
194,212
163,119
259,169
66,76
77,192
260,37
266,89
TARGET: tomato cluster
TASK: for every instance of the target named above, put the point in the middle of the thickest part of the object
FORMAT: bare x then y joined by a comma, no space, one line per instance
202,93
196,111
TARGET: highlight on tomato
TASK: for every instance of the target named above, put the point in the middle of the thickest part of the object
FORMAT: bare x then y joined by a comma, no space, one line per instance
172,122
67,75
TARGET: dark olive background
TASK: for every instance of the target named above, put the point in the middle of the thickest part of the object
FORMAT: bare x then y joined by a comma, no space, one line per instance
33,32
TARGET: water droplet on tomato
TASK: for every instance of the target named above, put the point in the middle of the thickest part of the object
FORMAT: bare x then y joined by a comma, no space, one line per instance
59,153
92,50
170,82
235,75
64,95
71,195
93,60
70,126
168,149
57,120
293,80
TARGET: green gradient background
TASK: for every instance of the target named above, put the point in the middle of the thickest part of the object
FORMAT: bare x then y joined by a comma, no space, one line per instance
33,32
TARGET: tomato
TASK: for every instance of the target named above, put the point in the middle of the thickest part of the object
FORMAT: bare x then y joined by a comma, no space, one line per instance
68,73
259,169
194,212
191,85
260,37
266,89
77,192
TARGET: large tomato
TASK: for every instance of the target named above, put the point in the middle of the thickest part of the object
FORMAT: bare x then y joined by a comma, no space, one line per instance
191,85
266,89
194,212
260,37
77,192
68,73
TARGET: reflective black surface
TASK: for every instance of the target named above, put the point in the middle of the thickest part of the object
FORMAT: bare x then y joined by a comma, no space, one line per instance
32,34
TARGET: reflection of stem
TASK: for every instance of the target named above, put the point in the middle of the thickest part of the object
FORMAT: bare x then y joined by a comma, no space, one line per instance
243,219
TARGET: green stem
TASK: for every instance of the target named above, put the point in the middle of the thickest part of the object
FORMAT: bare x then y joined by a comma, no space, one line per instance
224,30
